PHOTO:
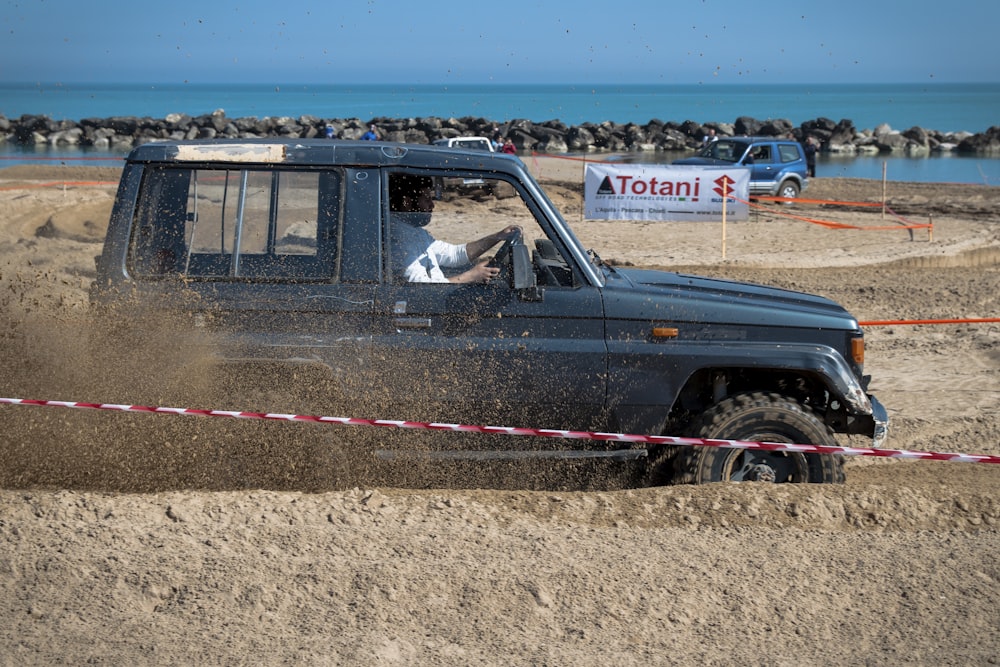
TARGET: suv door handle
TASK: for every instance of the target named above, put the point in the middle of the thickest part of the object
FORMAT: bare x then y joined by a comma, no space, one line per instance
412,322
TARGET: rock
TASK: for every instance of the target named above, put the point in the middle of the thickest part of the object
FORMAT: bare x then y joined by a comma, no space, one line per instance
987,142
747,126
843,148
820,126
579,139
554,144
776,128
843,133
917,135
692,129
893,142
882,129
70,137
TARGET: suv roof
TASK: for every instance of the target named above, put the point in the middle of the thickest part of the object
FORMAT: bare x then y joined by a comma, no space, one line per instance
759,139
320,152
751,141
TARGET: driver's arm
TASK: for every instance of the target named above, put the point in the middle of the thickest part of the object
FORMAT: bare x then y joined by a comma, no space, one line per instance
476,248
479,273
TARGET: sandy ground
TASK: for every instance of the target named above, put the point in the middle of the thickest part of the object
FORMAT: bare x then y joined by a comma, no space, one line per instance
159,540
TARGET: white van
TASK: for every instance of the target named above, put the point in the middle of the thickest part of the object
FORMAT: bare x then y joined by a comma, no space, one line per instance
475,143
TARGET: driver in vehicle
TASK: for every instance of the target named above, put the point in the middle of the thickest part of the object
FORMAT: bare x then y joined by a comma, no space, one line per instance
417,257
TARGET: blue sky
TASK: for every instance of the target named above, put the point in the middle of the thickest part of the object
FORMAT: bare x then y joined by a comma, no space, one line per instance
400,41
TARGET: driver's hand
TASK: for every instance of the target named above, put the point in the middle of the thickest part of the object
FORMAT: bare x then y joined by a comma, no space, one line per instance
510,232
482,273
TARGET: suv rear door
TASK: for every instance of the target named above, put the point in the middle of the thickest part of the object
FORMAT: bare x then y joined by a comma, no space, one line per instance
256,253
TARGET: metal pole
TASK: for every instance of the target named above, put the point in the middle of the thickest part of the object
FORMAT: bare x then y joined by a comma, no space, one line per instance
883,188
725,197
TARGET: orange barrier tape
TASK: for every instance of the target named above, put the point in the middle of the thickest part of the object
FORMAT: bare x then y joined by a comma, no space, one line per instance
23,158
913,225
58,183
798,200
840,225
973,320
564,157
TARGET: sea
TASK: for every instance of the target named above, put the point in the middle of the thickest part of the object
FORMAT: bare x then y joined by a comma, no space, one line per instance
947,107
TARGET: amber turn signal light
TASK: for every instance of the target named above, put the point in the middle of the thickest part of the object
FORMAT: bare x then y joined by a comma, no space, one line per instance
858,350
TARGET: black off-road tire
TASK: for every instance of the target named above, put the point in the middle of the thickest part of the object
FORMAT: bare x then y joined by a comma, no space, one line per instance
758,417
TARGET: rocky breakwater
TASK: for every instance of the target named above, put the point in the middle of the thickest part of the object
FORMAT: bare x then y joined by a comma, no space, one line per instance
123,132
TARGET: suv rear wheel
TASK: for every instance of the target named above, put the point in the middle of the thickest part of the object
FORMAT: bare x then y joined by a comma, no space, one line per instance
758,417
789,189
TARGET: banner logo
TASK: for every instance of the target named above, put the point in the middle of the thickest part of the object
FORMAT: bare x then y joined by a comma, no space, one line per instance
664,192
724,186
606,188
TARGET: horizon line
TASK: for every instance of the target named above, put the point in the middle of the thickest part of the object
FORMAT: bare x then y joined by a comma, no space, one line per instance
492,83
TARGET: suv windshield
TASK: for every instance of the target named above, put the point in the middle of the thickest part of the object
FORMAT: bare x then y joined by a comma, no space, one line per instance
729,150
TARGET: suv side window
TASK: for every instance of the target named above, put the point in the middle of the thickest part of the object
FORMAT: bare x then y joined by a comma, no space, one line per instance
465,207
788,153
761,153
264,224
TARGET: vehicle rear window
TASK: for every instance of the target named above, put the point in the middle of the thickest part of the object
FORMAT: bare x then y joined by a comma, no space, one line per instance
261,224
724,149
476,144
788,152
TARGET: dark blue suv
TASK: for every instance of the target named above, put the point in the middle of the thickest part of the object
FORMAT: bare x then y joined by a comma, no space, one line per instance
777,166
281,258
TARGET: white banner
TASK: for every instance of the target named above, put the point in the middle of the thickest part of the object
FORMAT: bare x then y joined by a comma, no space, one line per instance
665,192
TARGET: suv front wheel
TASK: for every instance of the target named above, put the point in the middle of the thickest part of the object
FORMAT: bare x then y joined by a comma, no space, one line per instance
758,417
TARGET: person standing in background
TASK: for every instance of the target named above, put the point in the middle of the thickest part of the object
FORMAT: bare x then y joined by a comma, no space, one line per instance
809,147
370,135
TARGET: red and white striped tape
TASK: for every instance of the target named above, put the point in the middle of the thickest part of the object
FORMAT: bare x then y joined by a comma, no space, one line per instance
514,430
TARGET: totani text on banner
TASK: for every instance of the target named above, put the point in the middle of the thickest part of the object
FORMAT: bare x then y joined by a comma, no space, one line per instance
665,192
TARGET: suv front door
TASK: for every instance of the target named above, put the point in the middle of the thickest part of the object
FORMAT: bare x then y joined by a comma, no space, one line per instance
763,167
486,353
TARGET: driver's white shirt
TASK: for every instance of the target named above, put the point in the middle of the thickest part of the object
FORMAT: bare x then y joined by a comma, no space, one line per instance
418,257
